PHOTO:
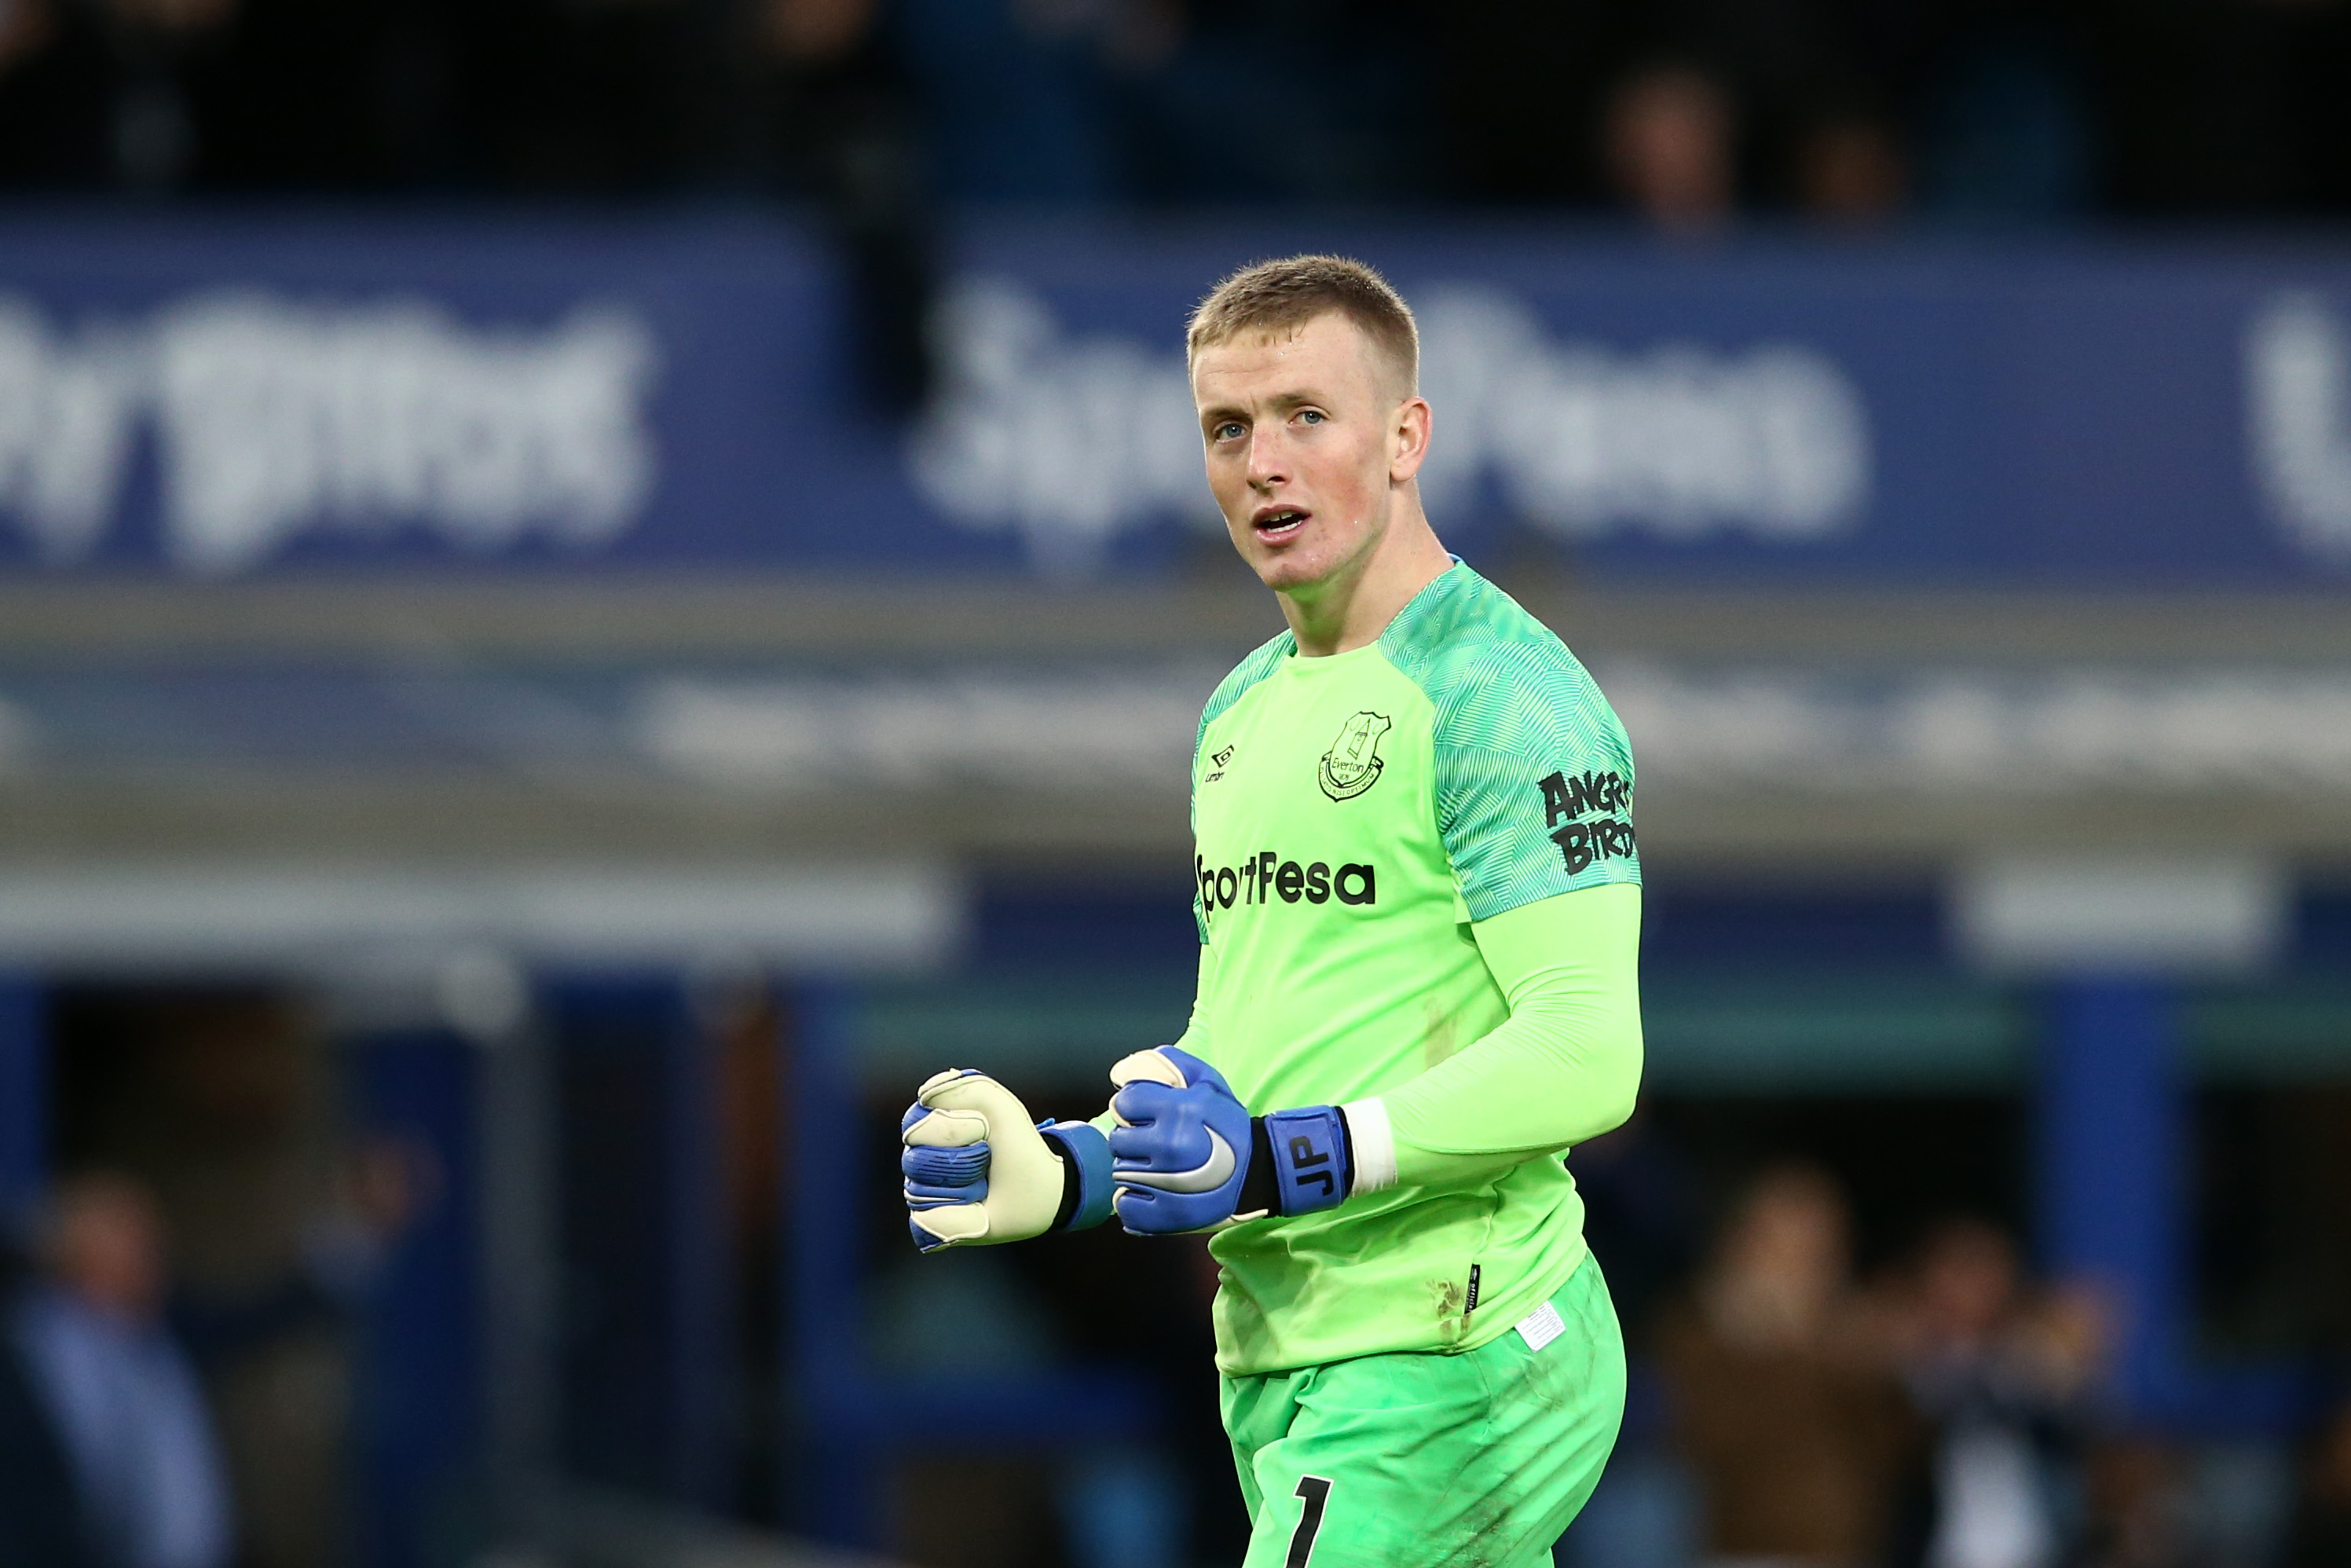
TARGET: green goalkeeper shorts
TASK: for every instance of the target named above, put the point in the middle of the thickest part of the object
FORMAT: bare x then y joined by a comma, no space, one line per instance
1478,1459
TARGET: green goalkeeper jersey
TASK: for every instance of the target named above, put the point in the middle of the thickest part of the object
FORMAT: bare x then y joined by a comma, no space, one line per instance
1352,816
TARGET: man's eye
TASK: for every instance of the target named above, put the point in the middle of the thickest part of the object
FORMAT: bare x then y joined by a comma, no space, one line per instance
1311,416
1228,431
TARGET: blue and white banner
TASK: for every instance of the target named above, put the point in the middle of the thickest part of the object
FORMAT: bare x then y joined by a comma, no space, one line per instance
216,398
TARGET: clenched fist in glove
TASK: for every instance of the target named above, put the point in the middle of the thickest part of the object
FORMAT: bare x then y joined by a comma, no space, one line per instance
979,1171
1188,1156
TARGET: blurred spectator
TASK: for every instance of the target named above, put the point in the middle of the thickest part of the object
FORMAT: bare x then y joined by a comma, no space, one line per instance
1809,83
2141,1507
2002,1378
1346,72
1015,96
40,1507
2003,114
1851,171
97,94
155,95
1687,110
1671,148
385,1184
158,51
223,1102
1786,1416
117,1390
56,132
833,115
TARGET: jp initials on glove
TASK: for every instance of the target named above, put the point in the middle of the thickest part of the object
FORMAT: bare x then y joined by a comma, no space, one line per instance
979,1172
1188,1156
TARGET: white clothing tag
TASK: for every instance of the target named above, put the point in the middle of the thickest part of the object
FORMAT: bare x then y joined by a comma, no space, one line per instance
1542,1326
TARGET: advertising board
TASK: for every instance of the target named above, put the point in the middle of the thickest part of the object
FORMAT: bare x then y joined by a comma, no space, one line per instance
216,398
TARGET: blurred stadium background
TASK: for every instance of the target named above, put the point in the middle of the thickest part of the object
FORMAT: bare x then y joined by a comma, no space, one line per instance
590,589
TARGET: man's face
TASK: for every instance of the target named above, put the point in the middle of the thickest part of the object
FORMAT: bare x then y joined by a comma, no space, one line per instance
110,1248
1307,433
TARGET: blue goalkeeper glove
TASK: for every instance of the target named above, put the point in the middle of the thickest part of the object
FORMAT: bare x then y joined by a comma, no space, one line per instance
1188,1156
979,1172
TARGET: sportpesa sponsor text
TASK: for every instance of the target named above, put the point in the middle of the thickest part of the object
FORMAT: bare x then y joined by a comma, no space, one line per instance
1265,876
1268,875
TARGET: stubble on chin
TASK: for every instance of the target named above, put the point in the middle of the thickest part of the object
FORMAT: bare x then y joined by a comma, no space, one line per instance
1277,576
1299,578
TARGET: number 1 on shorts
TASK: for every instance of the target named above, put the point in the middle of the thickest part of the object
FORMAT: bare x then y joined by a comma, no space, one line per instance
1317,1493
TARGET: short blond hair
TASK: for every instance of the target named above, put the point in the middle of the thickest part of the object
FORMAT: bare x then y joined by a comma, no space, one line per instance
1281,295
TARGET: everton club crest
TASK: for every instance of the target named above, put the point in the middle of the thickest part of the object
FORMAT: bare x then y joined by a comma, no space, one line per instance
1353,764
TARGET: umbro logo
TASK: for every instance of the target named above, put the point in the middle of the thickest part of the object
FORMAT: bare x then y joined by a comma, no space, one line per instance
1219,759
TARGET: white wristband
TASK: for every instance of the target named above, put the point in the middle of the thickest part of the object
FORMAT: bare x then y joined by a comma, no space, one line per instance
1375,1145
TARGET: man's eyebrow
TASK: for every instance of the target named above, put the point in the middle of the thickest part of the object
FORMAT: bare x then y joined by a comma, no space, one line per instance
1287,400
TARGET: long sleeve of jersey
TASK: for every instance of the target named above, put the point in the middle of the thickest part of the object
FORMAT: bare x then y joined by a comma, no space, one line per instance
1563,1068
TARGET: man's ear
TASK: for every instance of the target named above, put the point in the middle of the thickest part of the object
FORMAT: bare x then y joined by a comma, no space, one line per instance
1408,439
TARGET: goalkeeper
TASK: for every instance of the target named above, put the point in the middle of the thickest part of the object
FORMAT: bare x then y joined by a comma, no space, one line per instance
1418,900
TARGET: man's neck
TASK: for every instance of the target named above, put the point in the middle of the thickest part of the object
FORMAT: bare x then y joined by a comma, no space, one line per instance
1352,610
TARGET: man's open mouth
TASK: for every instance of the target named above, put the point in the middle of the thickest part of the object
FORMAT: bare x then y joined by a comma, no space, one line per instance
1279,522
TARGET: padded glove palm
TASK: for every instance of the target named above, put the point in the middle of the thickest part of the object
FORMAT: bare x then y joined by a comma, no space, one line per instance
978,1172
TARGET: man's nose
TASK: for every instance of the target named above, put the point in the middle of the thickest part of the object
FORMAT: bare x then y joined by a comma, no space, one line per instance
1267,465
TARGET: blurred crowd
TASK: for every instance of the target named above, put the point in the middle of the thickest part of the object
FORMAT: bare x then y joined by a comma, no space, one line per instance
180,1317
174,1390
1946,1411
1937,1419
1690,111
114,1459
146,1422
